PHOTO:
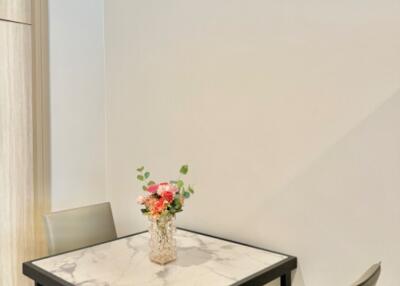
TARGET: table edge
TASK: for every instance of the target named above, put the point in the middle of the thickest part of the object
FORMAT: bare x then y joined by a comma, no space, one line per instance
261,277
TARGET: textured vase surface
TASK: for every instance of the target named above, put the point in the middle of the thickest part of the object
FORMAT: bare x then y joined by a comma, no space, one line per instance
162,241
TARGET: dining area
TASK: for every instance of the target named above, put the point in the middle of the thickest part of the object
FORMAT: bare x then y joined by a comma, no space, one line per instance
201,259
84,250
204,143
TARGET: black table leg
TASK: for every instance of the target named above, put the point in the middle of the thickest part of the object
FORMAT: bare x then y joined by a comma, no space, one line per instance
37,284
286,279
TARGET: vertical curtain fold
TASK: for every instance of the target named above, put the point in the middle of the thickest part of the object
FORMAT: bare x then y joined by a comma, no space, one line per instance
23,146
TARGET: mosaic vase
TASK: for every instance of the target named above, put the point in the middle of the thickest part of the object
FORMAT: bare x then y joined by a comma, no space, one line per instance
162,241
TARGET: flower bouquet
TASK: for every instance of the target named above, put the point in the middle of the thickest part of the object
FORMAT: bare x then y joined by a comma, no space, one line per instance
160,203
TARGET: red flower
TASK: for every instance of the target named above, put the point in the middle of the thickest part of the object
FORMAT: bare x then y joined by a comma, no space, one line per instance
159,206
168,196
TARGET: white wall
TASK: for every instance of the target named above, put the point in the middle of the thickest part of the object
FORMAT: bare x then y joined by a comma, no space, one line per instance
77,102
279,109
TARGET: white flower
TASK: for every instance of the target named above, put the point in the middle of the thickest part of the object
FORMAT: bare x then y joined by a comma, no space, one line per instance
163,188
140,200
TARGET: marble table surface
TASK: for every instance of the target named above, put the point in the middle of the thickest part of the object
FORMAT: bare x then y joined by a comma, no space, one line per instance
202,260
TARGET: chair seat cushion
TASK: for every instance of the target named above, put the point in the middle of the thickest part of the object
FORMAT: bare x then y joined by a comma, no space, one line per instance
370,277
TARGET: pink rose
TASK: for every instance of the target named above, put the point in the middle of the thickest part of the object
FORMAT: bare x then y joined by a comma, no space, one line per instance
153,188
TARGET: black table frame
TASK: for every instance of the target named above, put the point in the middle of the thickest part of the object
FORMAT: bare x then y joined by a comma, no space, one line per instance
282,269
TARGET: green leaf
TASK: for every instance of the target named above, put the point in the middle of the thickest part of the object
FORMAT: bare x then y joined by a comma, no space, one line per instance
146,175
190,189
184,169
173,182
140,177
144,188
172,210
144,211
179,184
151,183
177,203
140,169
186,195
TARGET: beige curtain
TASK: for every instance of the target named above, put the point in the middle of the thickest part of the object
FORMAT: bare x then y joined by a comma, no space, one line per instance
21,203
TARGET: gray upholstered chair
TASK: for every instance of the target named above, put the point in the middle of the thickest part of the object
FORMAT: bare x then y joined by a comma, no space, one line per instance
370,277
79,227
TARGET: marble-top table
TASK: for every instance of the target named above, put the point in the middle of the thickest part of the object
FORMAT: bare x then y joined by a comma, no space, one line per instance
202,260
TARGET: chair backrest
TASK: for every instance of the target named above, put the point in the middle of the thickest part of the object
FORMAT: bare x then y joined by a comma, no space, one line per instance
80,227
370,277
